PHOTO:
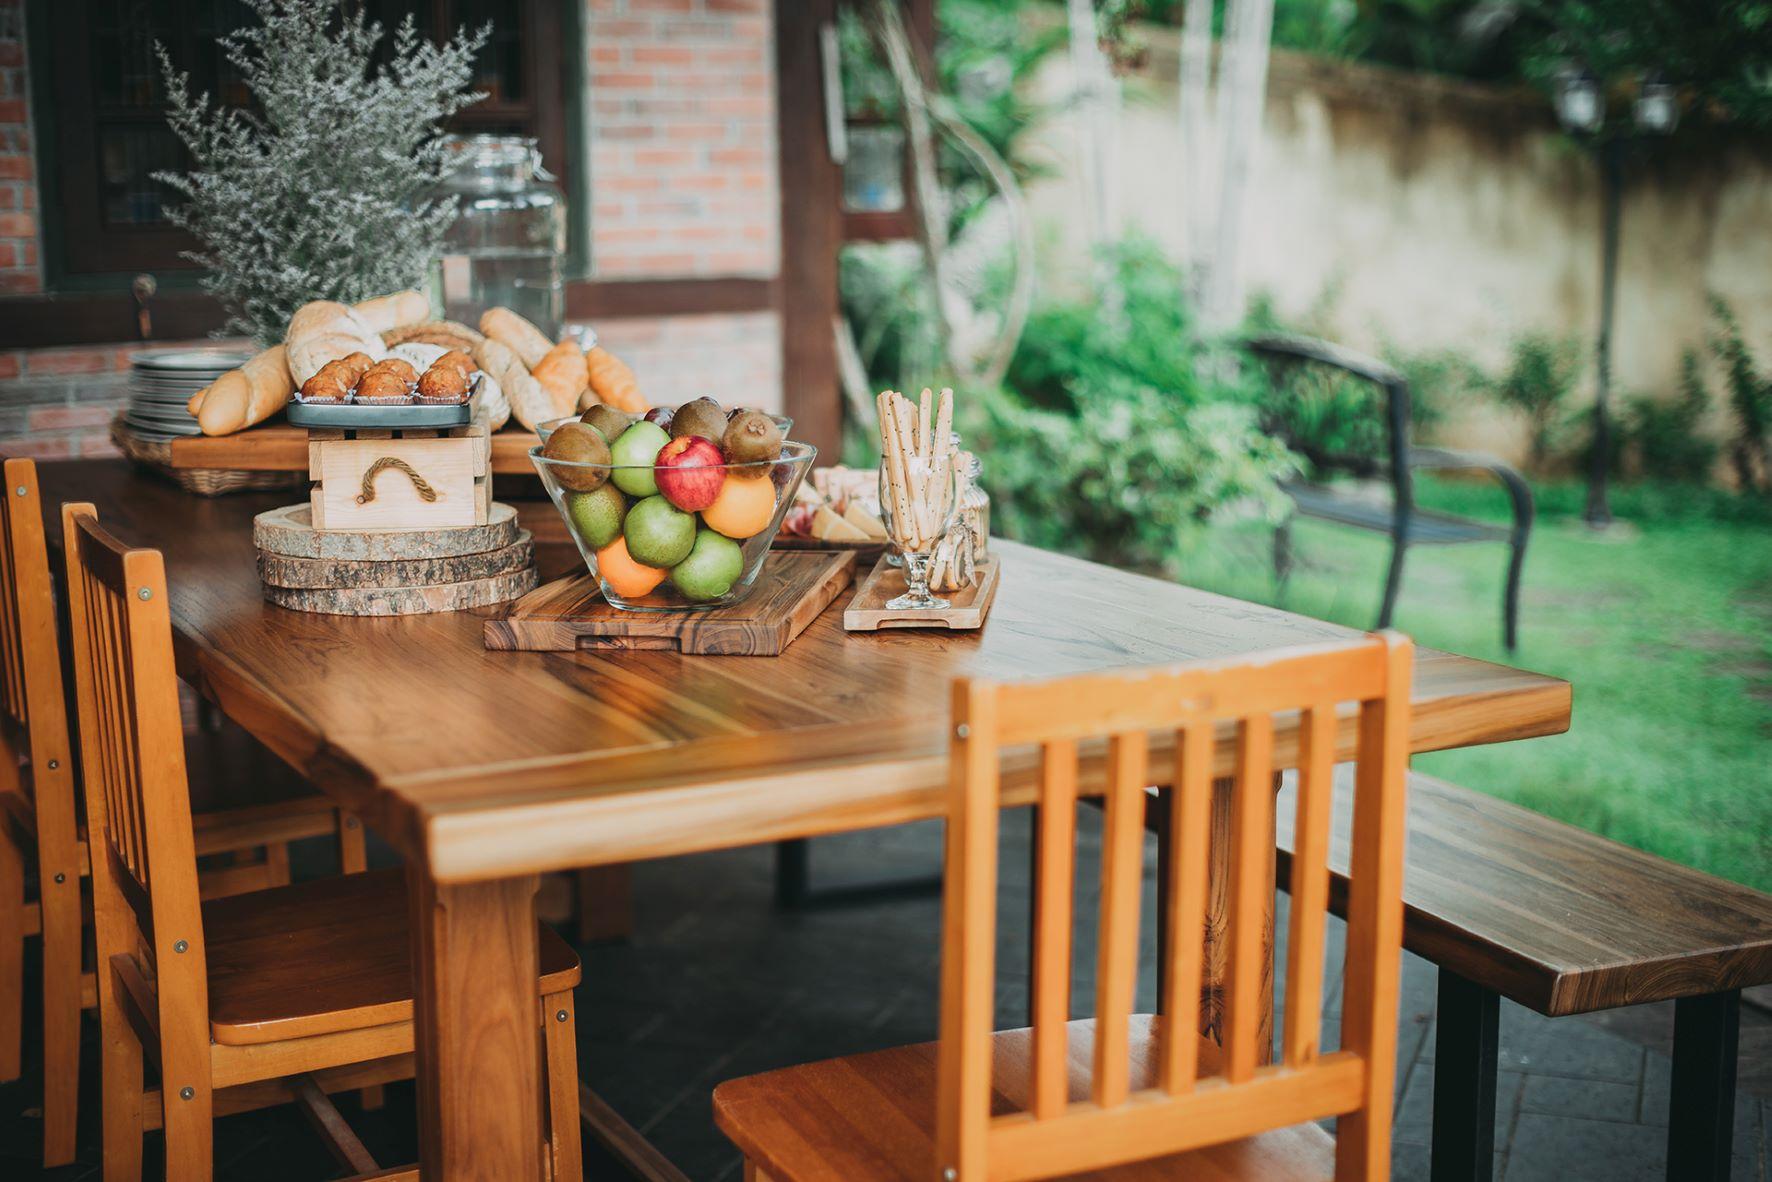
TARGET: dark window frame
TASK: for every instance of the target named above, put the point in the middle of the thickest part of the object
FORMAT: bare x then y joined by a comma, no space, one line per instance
81,252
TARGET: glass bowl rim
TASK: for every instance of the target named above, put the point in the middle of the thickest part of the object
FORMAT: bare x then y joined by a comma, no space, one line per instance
803,451
785,422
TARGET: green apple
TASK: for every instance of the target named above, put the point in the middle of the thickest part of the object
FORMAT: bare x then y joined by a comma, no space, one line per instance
715,562
633,453
597,516
659,534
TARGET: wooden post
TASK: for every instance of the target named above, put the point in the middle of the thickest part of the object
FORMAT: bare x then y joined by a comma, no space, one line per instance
811,227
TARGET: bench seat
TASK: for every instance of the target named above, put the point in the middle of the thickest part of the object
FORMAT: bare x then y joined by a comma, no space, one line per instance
1552,917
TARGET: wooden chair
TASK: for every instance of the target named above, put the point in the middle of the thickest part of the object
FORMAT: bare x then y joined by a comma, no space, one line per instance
1118,1097
39,820
243,1001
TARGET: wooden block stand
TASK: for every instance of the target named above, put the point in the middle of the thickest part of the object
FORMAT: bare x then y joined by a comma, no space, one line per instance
387,479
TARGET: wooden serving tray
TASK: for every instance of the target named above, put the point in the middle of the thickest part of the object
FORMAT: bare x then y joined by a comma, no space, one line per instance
965,610
570,614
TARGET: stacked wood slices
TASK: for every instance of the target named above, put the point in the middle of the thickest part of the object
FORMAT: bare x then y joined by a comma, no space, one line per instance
391,572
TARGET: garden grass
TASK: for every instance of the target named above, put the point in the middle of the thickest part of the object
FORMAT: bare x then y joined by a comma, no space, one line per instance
1664,627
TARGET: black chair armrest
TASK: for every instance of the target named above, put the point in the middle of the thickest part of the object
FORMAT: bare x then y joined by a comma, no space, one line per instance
1448,459
1302,348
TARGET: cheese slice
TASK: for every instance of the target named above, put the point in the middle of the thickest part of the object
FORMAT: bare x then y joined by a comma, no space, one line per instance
870,526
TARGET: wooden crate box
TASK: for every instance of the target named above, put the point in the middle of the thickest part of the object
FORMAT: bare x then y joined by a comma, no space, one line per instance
400,479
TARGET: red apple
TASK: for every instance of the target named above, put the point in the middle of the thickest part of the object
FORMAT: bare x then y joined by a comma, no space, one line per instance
689,472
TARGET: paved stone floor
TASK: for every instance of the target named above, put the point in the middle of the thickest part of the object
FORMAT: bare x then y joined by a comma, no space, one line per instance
717,983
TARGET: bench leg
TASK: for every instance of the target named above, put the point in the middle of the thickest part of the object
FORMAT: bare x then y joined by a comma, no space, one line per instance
1465,1048
794,890
1393,582
1701,1108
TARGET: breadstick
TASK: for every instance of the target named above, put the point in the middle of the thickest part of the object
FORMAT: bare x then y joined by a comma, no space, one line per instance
892,449
924,438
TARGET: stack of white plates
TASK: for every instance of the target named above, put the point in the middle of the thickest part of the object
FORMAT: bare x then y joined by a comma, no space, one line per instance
160,383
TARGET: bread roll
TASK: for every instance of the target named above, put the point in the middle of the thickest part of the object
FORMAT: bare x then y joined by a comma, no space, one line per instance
395,311
613,382
446,333
326,331
563,374
529,402
248,395
528,342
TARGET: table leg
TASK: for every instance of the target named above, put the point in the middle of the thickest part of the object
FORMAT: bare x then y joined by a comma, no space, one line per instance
479,1067
1701,1107
1465,1049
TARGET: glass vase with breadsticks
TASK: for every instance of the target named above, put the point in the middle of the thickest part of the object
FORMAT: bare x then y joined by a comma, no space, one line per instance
917,486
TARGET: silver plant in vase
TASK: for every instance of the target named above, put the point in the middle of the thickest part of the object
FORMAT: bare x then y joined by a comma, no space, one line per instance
325,188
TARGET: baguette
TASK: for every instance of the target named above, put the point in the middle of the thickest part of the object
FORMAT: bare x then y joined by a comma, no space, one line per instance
528,342
388,312
564,374
529,402
248,395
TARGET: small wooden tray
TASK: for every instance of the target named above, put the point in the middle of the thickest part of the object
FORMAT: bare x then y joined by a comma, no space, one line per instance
965,610
570,613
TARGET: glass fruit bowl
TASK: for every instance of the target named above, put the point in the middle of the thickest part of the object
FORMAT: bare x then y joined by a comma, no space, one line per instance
675,539
546,427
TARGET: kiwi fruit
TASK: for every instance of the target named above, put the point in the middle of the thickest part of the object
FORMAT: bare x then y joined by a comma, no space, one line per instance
751,438
607,421
702,417
575,443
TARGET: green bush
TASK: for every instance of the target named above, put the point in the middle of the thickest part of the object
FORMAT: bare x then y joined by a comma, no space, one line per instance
1541,375
1750,400
1666,438
1119,441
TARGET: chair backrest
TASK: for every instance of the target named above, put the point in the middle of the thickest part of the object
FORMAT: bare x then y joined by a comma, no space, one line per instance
1063,718
138,809
34,710
1360,439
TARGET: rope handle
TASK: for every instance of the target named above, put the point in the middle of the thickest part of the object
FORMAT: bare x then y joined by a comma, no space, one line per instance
425,491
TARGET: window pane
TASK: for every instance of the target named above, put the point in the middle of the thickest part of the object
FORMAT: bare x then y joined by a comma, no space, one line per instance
498,70
128,156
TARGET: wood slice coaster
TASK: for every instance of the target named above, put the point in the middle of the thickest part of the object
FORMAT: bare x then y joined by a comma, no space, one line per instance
571,613
404,601
966,609
290,532
279,570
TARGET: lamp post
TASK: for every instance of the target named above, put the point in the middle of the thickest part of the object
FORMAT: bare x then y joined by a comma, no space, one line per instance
1581,109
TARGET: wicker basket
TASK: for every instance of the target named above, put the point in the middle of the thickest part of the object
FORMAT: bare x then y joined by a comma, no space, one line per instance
156,455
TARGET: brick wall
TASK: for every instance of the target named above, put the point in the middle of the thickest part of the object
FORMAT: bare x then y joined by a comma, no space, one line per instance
681,106
19,269
682,137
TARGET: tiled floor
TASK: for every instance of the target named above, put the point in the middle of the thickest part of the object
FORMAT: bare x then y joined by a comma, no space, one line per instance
718,983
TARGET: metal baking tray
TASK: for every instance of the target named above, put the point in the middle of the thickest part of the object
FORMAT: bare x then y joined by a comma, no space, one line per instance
350,416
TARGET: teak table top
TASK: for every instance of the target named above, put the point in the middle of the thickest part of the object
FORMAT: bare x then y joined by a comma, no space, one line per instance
491,764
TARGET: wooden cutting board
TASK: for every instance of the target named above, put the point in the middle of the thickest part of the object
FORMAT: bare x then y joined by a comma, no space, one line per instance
290,531
966,610
403,601
570,613
279,570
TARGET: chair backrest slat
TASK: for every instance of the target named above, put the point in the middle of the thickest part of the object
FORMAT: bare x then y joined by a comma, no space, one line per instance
1190,837
1309,887
1249,982
1132,1117
1122,875
1055,848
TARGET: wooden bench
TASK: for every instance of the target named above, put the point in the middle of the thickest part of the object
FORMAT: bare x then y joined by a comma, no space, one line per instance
1509,903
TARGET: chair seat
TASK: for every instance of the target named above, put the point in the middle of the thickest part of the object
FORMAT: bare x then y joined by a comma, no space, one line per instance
325,956
1348,507
870,1118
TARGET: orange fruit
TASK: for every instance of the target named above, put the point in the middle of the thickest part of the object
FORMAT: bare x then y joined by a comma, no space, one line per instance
627,578
744,506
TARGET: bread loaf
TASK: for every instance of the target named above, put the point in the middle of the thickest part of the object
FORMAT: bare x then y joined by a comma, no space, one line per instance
325,331
248,395
394,311
529,402
528,342
563,373
613,382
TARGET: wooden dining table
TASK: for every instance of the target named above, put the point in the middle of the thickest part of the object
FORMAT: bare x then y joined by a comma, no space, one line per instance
486,769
